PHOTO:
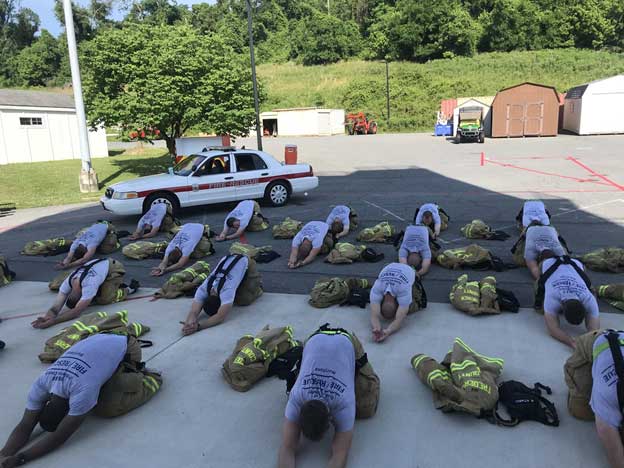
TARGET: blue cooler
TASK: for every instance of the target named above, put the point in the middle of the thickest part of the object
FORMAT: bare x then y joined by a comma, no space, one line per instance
443,130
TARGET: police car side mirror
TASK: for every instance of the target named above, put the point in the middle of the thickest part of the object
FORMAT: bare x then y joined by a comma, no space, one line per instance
170,170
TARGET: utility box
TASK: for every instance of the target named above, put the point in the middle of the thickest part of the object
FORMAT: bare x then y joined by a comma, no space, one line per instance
290,154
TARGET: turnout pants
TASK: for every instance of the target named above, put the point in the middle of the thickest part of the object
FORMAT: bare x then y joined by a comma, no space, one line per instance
578,376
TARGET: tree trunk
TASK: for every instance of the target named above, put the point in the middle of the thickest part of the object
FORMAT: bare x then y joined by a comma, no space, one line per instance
171,145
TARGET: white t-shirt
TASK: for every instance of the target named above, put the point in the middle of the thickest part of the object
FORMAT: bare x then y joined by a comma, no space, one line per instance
92,280
92,237
243,212
565,284
79,373
604,399
396,279
534,210
315,231
340,212
540,238
153,217
232,281
416,239
327,373
186,239
431,207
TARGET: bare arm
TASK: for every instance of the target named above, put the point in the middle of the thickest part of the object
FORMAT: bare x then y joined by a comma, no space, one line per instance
53,440
20,435
344,232
424,267
70,314
554,328
47,320
290,439
375,318
293,257
152,233
401,313
237,234
176,266
81,261
533,268
310,258
612,442
340,449
192,325
436,230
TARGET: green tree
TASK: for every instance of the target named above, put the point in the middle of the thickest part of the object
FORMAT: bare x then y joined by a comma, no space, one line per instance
166,77
26,26
590,27
157,12
82,20
321,39
37,64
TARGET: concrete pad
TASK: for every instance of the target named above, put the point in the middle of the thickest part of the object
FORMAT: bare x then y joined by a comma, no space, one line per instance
197,420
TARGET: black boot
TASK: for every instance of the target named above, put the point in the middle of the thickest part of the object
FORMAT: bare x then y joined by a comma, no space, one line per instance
134,285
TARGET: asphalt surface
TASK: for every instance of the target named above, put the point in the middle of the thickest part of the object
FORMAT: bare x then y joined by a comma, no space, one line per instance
376,195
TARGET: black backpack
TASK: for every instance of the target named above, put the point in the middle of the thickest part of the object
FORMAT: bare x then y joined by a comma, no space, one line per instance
357,297
286,366
525,404
371,255
618,362
507,300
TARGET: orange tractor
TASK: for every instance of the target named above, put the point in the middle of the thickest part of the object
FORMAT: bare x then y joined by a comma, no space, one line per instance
358,124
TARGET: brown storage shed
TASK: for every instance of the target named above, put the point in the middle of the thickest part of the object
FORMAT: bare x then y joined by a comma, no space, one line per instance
527,109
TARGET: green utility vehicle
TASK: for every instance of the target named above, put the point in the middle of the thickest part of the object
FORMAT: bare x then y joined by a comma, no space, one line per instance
470,125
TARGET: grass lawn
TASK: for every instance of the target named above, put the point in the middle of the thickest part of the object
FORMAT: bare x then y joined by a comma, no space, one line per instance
56,182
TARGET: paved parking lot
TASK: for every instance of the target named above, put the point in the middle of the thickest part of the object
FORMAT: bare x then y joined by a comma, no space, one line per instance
384,177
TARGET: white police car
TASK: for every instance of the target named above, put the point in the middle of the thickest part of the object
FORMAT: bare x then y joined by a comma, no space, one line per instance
213,176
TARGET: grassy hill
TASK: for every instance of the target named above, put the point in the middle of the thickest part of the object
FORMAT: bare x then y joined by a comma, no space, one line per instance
416,89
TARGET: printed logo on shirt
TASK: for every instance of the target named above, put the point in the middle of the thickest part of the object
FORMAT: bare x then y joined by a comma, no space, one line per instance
70,365
609,376
322,384
394,276
569,286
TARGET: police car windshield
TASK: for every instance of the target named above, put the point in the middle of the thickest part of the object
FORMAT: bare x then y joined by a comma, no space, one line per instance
188,165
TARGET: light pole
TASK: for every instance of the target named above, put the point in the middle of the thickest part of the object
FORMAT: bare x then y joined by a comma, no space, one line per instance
253,75
387,92
88,178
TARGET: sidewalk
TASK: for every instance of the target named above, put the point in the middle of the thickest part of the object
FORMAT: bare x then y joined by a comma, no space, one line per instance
198,420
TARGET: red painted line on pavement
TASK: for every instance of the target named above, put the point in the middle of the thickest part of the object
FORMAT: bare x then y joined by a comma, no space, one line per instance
594,173
482,158
513,166
20,316
243,239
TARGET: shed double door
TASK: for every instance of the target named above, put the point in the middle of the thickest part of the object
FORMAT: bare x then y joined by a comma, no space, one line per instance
525,119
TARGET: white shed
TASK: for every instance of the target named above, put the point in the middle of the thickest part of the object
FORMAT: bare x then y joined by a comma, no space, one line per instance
41,126
595,107
485,102
303,122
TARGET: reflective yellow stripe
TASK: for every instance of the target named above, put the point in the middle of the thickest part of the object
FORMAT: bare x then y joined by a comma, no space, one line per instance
417,360
154,381
102,314
137,328
123,316
602,289
80,326
462,365
437,374
497,361
120,295
603,346
149,385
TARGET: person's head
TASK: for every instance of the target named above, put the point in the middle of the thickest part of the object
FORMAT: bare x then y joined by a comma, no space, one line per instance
573,311
212,304
233,223
389,306
314,419
75,294
55,409
336,227
427,218
174,256
304,250
80,252
414,259
147,228
535,222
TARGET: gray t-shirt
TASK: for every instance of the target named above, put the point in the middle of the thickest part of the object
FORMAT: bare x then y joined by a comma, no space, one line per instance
153,217
564,284
540,238
340,212
327,373
431,207
243,212
92,237
186,239
232,281
315,231
92,280
416,239
396,279
80,373
604,400
534,210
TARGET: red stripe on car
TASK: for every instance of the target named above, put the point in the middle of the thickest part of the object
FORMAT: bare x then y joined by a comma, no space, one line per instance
229,183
